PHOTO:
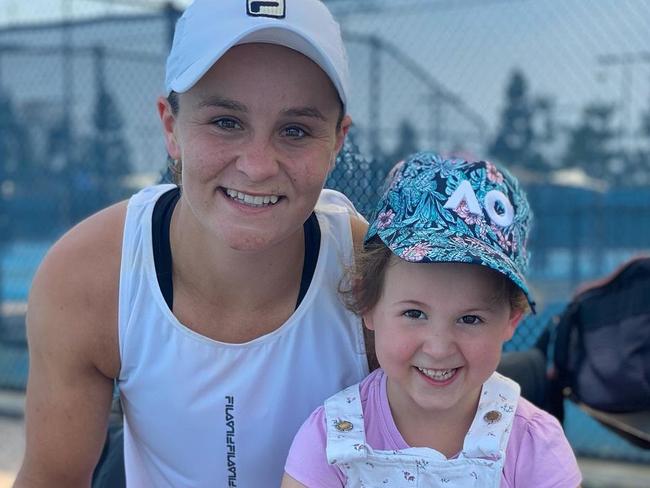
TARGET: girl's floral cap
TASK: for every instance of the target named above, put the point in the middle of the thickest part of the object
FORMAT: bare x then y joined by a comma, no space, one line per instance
450,210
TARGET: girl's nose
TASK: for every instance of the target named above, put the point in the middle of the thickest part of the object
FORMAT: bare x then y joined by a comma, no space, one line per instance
439,342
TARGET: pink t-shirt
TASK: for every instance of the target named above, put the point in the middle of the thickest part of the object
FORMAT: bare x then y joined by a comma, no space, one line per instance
538,453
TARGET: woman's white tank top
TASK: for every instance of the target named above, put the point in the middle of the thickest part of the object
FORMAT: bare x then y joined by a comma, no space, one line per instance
202,413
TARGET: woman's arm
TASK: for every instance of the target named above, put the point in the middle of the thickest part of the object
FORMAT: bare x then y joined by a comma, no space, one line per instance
289,482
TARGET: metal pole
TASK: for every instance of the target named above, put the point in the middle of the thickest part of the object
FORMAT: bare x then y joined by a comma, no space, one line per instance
67,68
171,14
625,61
575,247
374,84
68,81
626,95
4,217
435,121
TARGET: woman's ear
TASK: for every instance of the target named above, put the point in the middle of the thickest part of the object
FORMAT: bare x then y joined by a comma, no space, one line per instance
168,120
342,132
368,320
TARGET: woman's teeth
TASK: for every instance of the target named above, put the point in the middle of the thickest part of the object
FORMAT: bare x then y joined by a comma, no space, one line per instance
438,374
253,200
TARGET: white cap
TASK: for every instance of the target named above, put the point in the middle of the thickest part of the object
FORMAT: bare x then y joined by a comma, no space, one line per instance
209,28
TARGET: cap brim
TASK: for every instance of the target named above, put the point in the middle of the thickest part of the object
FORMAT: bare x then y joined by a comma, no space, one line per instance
281,36
455,249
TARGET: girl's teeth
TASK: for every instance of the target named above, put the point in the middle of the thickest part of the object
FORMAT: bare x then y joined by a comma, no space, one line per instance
438,374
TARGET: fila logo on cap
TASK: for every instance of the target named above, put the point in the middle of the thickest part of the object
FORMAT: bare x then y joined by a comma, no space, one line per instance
274,9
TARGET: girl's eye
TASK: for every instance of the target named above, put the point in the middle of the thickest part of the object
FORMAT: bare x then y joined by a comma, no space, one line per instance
227,124
415,314
294,132
471,320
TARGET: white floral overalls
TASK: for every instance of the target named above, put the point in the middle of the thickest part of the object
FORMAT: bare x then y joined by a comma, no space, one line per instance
479,465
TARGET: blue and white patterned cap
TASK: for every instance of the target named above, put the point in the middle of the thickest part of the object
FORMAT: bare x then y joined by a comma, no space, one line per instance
449,210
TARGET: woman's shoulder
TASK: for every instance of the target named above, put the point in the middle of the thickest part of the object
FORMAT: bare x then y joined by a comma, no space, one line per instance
75,290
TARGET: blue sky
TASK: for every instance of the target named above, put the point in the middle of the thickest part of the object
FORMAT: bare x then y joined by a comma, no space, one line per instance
20,11
470,47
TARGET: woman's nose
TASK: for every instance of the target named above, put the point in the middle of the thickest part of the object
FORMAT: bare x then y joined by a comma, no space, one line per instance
258,160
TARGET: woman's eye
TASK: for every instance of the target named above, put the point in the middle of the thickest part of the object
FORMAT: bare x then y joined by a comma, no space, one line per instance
294,132
471,320
227,124
415,314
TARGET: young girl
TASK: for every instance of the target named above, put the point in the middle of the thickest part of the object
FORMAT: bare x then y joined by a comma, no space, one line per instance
440,282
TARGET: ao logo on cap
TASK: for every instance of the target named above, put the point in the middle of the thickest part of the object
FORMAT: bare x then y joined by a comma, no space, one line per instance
502,217
275,9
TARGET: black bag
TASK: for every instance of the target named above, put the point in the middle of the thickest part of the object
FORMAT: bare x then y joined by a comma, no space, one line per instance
602,343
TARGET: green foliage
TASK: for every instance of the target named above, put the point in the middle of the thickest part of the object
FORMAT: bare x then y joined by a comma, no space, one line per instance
525,124
590,145
17,161
407,143
645,122
87,170
104,158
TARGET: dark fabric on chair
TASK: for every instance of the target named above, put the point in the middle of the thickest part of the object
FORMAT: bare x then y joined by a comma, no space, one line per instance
109,472
528,368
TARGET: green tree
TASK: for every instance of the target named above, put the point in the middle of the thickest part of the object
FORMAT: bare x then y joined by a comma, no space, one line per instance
636,169
407,142
590,145
103,161
16,161
641,162
111,155
645,122
104,158
525,123
17,167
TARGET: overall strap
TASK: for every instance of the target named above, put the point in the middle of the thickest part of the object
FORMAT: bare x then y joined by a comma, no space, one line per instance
489,433
346,436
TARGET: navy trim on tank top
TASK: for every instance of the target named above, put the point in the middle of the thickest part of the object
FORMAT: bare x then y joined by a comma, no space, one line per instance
311,230
162,251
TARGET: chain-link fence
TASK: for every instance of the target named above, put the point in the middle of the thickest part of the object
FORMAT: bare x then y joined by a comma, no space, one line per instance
559,91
